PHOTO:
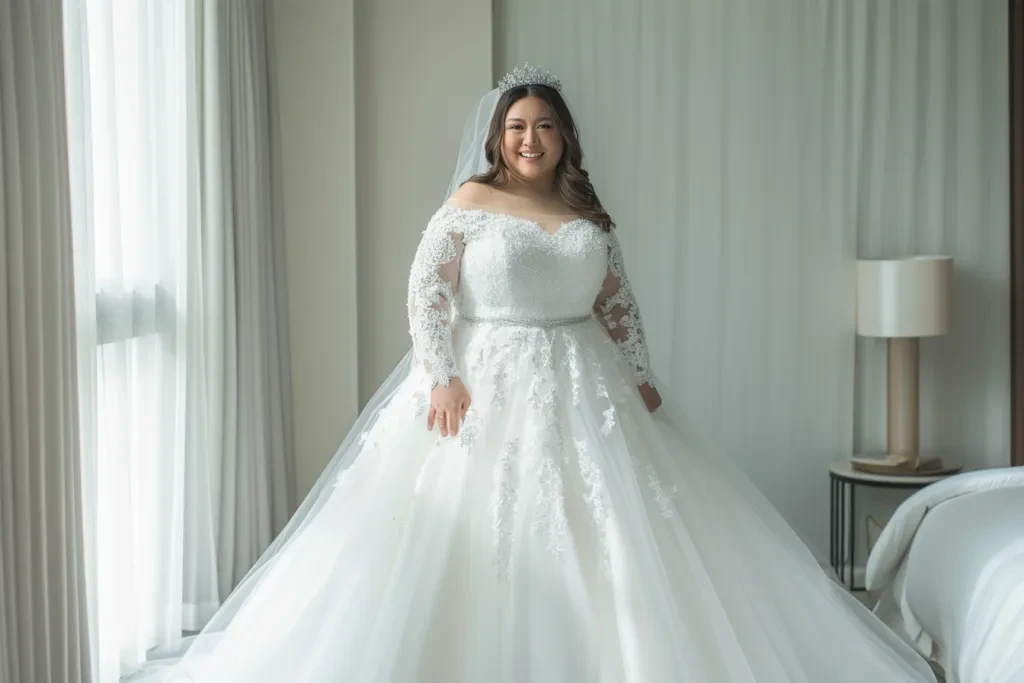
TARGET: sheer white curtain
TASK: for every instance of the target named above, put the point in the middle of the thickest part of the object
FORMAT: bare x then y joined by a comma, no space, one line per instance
184,377
750,152
132,135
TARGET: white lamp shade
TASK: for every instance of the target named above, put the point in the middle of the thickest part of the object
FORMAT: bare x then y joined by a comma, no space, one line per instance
908,297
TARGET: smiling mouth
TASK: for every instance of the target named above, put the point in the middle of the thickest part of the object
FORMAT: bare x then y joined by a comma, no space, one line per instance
531,156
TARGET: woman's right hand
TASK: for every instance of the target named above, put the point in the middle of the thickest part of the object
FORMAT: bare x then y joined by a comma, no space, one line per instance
448,406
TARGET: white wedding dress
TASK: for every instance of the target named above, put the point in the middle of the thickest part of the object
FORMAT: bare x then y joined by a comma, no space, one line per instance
565,535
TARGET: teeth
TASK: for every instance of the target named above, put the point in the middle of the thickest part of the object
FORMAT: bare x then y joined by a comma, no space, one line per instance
529,156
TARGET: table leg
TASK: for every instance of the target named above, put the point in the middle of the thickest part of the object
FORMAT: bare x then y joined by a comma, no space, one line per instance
842,533
853,535
833,517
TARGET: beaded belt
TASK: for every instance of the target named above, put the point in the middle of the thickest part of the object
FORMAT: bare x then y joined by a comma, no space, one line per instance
527,322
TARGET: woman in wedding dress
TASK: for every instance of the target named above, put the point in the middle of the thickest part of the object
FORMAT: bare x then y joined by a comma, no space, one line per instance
514,505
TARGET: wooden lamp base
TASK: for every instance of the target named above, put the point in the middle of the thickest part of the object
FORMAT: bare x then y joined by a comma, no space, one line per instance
901,455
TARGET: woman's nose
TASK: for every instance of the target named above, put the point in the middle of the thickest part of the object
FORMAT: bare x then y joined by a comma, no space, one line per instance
530,137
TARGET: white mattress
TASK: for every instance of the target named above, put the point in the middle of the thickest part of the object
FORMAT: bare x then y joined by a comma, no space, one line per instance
950,572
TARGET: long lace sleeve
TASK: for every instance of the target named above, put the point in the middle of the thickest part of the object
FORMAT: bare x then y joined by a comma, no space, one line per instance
433,286
617,309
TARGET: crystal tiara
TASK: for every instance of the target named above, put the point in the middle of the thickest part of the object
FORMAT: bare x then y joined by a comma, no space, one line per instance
528,75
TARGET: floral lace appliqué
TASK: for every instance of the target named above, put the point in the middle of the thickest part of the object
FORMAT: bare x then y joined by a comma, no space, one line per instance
503,506
596,499
609,421
433,291
662,497
548,462
469,431
620,314
551,519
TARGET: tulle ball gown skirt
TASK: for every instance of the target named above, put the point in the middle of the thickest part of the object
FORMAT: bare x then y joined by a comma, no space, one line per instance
564,535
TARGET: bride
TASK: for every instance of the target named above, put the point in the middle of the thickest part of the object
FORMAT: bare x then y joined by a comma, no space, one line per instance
514,505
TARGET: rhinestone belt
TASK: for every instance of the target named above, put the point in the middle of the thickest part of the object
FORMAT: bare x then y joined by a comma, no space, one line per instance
528,322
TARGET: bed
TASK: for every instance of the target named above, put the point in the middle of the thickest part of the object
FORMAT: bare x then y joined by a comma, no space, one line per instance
948,574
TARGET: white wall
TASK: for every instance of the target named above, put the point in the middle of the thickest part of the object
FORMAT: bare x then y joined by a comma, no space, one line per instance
315,74
373,96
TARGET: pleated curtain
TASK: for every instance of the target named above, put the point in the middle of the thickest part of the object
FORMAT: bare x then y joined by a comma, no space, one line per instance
43,624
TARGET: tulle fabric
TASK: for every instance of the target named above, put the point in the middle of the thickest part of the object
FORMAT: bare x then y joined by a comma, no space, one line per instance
565,535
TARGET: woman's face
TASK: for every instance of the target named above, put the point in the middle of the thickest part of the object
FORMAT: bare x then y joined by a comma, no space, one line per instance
531,145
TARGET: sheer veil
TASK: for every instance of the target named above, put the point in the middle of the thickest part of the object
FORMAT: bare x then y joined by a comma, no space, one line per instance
472,155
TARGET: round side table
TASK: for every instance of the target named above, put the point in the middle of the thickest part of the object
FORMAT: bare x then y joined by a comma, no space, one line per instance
842,537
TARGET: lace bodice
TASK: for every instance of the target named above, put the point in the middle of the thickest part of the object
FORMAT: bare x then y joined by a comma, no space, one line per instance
479,264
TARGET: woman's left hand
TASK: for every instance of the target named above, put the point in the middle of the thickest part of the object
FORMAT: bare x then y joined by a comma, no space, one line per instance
652,399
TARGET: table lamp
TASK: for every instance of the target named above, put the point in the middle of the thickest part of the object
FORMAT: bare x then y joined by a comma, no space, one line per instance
902,300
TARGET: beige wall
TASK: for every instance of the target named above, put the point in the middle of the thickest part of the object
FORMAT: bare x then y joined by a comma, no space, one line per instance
316,93
372,99
419,68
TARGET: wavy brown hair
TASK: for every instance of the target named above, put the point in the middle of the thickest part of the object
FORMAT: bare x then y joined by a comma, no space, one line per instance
571,180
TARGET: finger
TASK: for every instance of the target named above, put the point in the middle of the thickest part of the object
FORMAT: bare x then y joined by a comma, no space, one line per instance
442,421
430,418
453,422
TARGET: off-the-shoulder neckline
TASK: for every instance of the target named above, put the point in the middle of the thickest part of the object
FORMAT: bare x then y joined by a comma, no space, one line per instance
530,221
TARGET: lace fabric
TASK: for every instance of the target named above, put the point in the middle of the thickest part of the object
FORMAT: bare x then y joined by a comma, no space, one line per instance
433,287
521,247
620,313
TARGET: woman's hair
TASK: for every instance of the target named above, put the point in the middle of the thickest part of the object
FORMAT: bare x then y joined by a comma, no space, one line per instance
572,182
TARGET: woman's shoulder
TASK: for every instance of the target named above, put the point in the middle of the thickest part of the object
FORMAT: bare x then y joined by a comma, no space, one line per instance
472,192
463,212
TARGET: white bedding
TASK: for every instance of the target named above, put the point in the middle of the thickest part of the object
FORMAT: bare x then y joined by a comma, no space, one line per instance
949,572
